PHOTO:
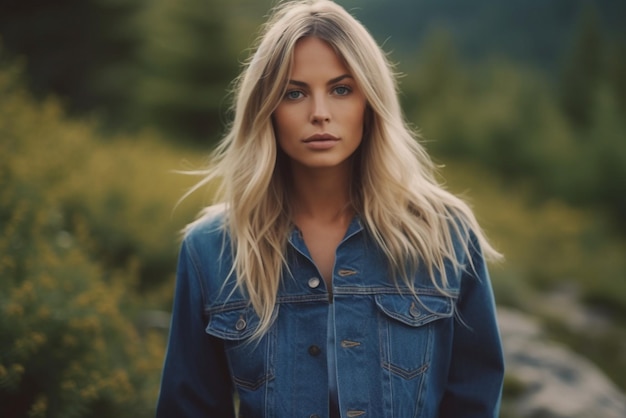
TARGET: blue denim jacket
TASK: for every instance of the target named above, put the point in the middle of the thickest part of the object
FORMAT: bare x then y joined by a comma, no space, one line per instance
397,356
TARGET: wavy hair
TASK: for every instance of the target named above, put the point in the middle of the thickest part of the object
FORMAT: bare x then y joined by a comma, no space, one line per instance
410,216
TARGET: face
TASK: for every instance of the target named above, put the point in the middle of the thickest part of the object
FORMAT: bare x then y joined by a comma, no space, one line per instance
319,121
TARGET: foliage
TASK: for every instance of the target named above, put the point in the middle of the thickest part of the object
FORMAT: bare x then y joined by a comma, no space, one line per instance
187,62
511,121
133,63
582,71
536,34
81,51
83,226
546,244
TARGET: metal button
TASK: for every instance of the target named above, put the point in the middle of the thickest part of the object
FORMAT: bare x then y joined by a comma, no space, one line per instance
414,311
314,282
314,350
241,324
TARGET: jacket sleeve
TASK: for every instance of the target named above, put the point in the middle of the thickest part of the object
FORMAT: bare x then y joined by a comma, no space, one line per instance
195,380
476,372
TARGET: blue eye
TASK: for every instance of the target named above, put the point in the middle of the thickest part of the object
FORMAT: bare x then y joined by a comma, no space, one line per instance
293,95
342,90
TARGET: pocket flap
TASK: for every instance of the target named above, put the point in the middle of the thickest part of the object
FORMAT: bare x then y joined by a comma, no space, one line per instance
413,311
235,324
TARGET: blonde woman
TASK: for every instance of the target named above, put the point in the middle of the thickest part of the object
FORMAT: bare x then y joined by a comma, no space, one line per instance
335,278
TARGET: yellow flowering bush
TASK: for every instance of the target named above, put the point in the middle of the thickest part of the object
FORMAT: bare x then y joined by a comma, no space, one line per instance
87,233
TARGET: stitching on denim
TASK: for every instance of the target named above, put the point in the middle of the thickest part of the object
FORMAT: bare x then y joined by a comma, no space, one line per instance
250,385
377,290
349,344
405,374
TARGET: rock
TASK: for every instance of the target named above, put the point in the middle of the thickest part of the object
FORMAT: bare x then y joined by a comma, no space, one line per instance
557,383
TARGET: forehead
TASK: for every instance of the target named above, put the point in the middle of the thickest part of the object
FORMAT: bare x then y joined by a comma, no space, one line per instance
315,57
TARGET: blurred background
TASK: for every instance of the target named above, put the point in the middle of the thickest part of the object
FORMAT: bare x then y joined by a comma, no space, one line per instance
522,103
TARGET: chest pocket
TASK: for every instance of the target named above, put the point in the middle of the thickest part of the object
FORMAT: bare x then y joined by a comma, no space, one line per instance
407,326
251,362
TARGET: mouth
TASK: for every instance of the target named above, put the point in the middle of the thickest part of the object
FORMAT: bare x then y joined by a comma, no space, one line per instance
320,138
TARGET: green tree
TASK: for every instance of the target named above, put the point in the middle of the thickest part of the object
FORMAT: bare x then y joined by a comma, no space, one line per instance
616,68
582,70
81,51
188,62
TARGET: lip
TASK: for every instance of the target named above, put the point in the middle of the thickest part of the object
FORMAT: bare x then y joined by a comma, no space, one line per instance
323,137
320,142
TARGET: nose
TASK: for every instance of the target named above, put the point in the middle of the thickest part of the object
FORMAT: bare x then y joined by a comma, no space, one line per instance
320,112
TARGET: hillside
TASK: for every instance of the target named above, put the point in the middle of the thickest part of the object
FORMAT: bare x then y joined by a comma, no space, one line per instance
536,32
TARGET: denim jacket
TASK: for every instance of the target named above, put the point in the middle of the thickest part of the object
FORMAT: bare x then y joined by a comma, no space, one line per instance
397,355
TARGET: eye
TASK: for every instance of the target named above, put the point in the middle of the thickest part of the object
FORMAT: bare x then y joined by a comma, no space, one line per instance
342,90
294,95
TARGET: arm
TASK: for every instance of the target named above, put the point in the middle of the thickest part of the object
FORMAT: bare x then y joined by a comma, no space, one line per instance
195,380
477,365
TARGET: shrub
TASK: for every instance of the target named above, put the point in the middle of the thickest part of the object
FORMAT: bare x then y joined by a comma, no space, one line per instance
69,346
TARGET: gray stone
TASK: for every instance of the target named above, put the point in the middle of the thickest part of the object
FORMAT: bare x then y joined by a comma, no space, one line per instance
557,382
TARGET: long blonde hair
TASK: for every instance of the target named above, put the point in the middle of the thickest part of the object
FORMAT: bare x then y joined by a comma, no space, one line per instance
410,216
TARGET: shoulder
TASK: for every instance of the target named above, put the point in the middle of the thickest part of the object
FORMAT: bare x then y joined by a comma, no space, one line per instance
466,237
208,229
206,249
459,222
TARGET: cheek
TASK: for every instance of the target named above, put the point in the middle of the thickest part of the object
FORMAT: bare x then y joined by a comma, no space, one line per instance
283,124
359,119
283,131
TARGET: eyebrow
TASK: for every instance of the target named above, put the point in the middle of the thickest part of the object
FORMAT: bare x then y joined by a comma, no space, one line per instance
331,81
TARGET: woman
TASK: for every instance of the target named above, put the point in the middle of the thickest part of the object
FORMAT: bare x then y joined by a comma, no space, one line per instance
336,278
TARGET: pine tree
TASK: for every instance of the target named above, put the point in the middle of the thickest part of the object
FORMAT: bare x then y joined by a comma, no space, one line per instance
187,65
582,70
81,51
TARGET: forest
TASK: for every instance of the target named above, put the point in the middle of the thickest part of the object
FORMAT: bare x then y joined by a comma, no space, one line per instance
102,102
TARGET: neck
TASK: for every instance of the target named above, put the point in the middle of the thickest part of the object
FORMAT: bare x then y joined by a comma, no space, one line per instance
322,195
